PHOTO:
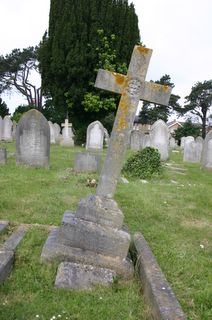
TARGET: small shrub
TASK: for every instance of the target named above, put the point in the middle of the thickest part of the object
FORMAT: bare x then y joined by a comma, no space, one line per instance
143,164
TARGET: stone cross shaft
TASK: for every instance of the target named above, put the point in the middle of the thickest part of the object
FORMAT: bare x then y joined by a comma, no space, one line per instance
132,88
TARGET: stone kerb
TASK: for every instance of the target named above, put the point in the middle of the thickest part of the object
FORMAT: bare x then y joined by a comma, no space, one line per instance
159,138
206,159
95,136
33,140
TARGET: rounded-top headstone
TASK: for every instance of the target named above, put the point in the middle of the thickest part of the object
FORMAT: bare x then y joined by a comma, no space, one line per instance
33,140
7,129
95,136
206,160
159,138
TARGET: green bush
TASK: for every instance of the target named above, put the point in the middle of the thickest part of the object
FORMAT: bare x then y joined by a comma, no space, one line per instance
143,164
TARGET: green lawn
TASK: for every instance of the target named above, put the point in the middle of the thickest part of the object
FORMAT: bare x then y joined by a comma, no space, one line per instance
173,212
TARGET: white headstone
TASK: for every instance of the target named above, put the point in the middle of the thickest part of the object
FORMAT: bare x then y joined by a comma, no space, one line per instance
33,140
172,143
57,132
146,141
52,134
1,128
182,142
14,130
7,129
95,136
135,140
67,134
106,137
193,150
159,139
206,159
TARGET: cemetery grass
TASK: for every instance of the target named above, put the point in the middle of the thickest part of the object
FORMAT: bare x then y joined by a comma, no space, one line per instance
173,212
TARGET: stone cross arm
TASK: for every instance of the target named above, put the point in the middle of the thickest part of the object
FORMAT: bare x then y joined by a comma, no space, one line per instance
148,91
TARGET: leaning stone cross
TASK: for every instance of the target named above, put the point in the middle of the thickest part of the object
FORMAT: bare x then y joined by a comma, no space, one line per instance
132,88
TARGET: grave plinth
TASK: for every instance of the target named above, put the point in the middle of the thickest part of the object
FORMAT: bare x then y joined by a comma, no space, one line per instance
95,234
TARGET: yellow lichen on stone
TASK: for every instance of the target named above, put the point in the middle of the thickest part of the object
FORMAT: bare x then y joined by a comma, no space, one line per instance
123,108
120,79
143,50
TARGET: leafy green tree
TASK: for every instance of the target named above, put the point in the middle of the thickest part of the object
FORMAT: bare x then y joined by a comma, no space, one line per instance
4,111
187,129
152,112
15,69
19,111
199,102
68,54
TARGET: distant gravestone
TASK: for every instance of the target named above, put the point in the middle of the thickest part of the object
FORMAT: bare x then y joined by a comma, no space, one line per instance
159,139
33,140
52,132
182,142
188,148
14,130
172,143
57,132
135,140
95,136
146,141
1,128
206,159
67,135
3,156
87,162
106,137
193,150
7,129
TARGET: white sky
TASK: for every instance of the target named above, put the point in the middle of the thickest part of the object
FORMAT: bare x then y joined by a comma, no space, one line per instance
178,31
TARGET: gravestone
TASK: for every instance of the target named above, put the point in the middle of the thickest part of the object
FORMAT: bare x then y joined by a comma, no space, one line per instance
172,143
87,162
95,234
193,150
159,138
14,130
146,141
33,140
95,136
106,138
7,129
1,128
135,140
186,147
67,134
52,132
3,156
206,159
57,134
182,142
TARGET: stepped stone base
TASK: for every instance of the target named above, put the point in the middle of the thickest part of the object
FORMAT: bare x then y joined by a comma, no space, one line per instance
79,276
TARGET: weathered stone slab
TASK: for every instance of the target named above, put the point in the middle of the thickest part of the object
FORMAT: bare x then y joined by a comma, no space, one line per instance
206,159
81,276
157,290
12,242
3,156
159,138
7,129
33,140
91,236
3,225
6,264
95,136
135,140
87,162
100,210
53,250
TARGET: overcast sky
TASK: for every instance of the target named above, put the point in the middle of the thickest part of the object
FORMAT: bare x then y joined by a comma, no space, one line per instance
178,31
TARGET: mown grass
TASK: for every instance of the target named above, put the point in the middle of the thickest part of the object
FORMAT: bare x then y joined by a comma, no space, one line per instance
173,212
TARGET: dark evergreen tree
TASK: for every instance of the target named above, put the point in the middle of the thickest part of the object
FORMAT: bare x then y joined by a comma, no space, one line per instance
68,55
4,111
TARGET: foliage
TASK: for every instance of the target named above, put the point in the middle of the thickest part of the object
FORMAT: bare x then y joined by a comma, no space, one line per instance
4,111
143,164
93,103
152,112
187,129
19,111
199,102
15,70
68,54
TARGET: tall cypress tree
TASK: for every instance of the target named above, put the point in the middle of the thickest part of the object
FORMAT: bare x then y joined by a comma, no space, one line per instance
68,53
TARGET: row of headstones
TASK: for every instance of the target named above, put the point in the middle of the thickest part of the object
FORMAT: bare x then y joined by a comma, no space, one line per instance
198,150
8,131
158,138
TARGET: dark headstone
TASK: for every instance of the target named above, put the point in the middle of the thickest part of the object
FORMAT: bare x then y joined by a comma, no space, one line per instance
87,162
3,156
33,140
